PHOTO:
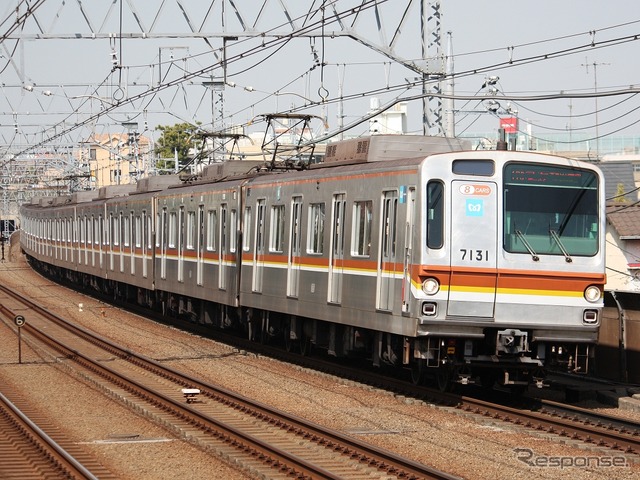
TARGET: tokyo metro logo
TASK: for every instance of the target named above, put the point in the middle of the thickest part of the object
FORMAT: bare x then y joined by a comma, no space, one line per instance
474,207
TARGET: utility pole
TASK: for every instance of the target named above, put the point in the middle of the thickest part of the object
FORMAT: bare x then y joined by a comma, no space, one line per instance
595,89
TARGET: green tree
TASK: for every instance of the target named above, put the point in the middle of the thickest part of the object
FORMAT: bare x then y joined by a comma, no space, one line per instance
174,139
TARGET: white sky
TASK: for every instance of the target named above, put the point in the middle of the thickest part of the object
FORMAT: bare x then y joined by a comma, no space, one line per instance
484,34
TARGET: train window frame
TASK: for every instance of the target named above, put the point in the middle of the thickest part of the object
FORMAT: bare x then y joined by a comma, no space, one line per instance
191,225
534,195
246,225
137,237
315,228
97,225
435,218
160,227
172,234
127,230
233,230
475,167
212,223
277,228
361,228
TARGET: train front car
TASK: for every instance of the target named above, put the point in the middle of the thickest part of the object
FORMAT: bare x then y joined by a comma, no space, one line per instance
512,270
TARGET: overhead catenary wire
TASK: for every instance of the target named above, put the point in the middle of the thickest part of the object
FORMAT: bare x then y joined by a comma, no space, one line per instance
153,92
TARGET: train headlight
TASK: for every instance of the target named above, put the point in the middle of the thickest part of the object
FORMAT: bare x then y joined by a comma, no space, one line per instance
430,286
592,294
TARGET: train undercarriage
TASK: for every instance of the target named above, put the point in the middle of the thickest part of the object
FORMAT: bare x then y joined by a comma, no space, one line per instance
503,358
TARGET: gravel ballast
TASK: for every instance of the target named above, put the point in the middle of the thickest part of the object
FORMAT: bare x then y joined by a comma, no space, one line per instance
134,448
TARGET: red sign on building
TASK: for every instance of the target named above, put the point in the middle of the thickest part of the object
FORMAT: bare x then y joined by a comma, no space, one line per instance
509,124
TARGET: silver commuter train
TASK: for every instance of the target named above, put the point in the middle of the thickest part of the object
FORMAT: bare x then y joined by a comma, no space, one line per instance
411,251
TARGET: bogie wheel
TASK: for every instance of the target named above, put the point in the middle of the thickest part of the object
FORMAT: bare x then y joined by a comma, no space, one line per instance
289,344
305,345
418,371
445,379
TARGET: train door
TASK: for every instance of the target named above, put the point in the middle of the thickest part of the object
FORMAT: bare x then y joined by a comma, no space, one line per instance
222,256
134,241
408,250
474,234
122,238
200,246
86,240
96,240
164,241
258,251
387,249
144,227
112,239
336,249
101,240
180,234
293,275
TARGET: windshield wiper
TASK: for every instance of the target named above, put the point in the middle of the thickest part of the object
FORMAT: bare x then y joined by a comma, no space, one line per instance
555,236
522,238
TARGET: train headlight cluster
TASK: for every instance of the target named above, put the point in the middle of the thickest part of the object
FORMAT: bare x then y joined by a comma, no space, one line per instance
593,294
430,286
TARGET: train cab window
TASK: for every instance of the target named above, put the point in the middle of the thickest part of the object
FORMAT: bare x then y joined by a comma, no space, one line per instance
550,210
361,228
276,234
315,230
435,214
484,168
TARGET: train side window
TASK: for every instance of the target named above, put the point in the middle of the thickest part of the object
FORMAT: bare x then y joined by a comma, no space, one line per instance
160,226
212,223
435,214
127,230
191,230
138,232
315,230
233,231
361,229
276,235
173,233
246,226
150,231
485,168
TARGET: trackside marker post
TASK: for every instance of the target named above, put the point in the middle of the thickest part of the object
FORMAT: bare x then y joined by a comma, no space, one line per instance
19,319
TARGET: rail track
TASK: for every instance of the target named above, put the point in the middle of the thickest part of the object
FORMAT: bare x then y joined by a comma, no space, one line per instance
265,441
564,420
540,416
28,451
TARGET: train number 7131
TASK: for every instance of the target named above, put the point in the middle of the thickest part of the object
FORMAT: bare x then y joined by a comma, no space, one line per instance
475,255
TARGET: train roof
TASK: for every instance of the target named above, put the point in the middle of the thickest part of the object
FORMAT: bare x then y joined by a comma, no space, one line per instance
157,183
112,191
379,148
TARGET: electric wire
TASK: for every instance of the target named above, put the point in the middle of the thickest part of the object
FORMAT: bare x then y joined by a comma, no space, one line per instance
154,92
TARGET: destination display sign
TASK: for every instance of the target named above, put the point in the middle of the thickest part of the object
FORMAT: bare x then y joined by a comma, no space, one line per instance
540,174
